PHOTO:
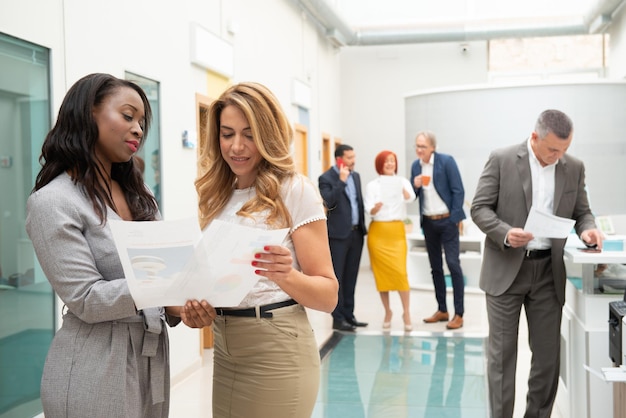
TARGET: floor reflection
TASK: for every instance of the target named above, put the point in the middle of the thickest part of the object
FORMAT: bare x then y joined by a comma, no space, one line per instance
343,398
403,376
449,405
390,392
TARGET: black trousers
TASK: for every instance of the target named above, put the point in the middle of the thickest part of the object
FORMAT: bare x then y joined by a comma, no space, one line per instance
346,255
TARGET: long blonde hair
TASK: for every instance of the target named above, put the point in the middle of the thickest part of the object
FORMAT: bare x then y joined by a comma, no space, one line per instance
272,134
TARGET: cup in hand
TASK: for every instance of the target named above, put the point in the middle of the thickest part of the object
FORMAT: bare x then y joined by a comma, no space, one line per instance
425,180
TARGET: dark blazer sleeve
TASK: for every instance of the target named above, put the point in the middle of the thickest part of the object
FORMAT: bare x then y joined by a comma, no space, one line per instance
332,189
359,196
449,185
337,204
416,170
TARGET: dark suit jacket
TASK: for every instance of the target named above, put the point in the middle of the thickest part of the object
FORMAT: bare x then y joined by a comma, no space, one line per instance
447,182
502,201
339,214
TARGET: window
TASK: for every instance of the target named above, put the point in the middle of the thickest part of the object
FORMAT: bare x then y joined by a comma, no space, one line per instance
26,299
548,58
151,150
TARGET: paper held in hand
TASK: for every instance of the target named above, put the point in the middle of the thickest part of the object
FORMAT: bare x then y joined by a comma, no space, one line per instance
390,190
167,263
545,225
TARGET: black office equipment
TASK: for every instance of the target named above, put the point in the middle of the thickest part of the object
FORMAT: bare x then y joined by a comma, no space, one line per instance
617,310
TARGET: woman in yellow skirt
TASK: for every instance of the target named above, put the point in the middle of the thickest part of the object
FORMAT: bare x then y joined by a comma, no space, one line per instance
385,200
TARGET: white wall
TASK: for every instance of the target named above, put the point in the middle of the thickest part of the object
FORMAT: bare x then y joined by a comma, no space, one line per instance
375,81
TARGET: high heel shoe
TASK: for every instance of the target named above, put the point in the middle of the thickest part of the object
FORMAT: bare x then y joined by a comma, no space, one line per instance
387,324
407,327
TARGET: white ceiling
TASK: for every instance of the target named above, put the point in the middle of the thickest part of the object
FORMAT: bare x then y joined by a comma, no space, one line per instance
376,13
383,22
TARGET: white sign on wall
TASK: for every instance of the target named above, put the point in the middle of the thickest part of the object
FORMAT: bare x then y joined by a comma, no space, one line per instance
301,94
211,52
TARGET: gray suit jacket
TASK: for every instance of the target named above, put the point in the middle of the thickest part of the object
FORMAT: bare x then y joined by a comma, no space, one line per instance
502,201
106,360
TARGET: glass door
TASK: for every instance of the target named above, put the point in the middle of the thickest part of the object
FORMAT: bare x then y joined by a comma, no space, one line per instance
150,153
26,299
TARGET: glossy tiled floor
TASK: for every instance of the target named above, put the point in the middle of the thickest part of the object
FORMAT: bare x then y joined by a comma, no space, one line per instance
401,376
430,372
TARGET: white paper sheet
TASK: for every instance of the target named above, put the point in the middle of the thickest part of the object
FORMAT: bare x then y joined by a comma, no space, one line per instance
545,225
390,190
167,263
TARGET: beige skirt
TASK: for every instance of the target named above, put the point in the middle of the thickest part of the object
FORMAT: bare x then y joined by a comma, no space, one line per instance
265,367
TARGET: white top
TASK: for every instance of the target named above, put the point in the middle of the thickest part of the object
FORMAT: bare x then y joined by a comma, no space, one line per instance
388,190
305,205
433,203
543,192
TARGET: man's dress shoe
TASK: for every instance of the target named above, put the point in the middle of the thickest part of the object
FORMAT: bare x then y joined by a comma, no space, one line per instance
343,326
437,317
456,323
356,323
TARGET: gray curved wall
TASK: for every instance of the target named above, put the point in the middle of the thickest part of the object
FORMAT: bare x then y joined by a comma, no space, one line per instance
471,122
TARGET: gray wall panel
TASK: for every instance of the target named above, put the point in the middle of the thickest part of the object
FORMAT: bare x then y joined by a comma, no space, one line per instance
470,123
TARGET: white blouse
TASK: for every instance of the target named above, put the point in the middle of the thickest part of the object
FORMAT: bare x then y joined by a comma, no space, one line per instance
388,189
304,204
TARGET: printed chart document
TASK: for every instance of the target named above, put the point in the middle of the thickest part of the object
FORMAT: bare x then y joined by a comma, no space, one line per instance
167,263
545,225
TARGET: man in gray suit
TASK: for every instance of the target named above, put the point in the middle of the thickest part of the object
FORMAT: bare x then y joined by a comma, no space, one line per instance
520,269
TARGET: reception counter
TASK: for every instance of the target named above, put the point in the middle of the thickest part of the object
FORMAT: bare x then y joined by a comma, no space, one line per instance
585,335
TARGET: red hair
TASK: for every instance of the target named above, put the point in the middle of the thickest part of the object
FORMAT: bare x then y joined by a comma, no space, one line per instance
380,161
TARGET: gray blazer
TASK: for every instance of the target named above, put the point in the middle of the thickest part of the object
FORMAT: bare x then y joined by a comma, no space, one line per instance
107,360
502,201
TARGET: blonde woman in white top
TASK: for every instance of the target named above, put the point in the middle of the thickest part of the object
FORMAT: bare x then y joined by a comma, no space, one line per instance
266,358
385,200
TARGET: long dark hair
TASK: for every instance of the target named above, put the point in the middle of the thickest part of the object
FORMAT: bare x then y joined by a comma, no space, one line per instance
70,147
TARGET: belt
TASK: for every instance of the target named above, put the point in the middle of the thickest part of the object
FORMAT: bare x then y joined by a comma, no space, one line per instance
534,254
355,227
437,217
257,311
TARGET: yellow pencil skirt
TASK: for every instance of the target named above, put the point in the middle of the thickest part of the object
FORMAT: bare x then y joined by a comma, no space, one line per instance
386,243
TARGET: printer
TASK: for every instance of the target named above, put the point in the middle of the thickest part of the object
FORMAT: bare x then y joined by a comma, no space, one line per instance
617,314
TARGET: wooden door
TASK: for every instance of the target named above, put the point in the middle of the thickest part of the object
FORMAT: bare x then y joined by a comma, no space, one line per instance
326,152
300,149
337,143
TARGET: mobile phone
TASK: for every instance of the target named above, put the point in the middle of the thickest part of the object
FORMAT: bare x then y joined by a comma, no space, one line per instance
340,162
590,250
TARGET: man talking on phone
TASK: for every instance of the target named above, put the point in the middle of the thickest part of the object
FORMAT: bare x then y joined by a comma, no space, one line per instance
340,187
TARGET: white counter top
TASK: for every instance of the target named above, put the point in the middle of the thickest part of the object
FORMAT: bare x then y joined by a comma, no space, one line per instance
605,257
